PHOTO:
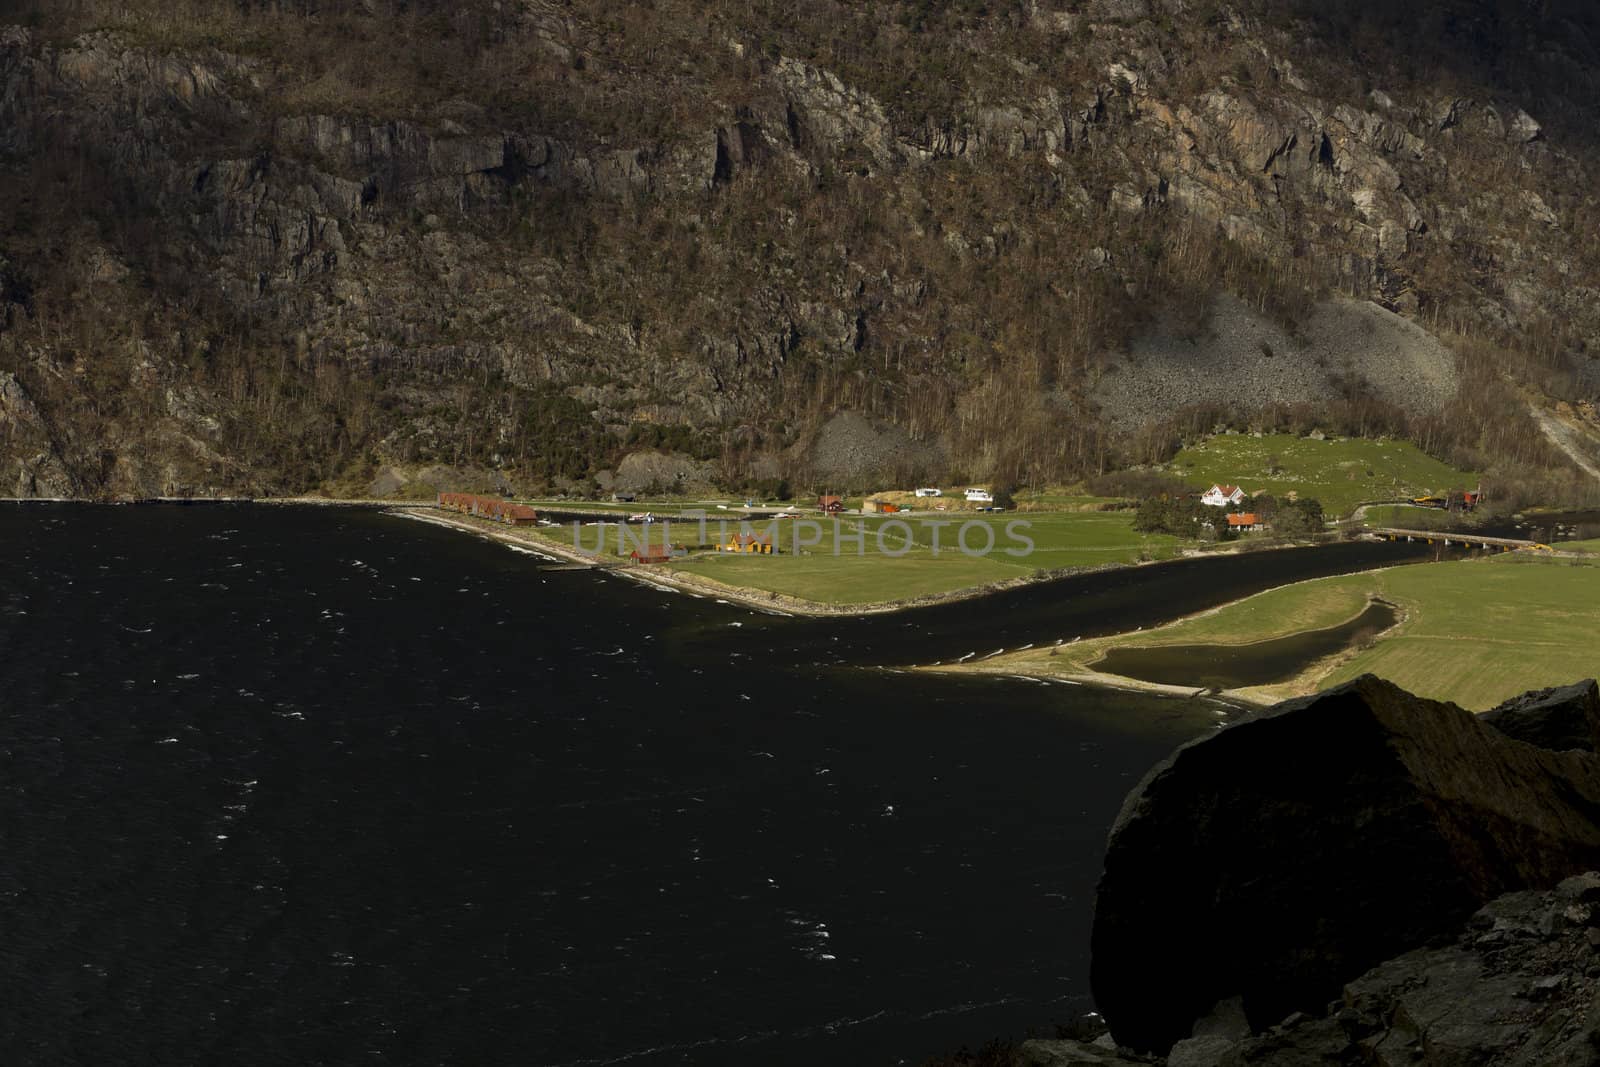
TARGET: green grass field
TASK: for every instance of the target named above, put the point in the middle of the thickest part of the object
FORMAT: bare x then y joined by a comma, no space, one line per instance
1339,473
864,574
1063,500
1475,631
1408,517
1591,546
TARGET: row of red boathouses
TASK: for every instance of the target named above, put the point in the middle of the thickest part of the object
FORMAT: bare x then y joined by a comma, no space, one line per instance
489,507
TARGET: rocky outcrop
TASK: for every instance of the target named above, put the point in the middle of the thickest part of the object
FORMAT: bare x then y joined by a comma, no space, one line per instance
1284,856
1563,718
1517,984
36,469
835,114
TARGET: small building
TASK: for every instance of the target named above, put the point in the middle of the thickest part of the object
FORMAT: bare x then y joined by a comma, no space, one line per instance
1244,521
622,498
651,554
518,515
831,505
750,544
489,507
1222,496
879,507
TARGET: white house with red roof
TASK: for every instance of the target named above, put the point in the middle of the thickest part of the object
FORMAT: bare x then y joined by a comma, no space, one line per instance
1223,496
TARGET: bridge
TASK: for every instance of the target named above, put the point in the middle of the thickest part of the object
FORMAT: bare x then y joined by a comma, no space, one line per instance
1456,537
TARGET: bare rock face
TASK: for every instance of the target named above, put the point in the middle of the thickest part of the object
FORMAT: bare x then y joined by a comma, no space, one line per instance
1515,986
1283,857
36,470
1558,719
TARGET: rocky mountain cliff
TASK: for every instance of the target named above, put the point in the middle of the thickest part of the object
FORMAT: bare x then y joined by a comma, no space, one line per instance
270,245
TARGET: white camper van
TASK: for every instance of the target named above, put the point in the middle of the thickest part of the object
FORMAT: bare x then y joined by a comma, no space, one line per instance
928,492
979,496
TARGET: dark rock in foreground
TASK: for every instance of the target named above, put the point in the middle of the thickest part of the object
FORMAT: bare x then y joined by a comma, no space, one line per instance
1283,857
1557,719
1516,985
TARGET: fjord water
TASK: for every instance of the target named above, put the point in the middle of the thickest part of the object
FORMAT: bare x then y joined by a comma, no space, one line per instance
293,785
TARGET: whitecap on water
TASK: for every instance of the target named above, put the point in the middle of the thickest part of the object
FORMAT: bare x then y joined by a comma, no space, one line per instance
814,937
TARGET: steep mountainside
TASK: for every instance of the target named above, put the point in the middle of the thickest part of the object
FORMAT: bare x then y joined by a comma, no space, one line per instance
267,245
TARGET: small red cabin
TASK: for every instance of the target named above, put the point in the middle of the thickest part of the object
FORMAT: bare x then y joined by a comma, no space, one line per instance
830,504
651,554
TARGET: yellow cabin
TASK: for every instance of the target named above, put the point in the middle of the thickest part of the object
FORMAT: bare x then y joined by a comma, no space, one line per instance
749,543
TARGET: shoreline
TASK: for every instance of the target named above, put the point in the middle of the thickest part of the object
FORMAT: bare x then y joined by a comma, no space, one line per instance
783,603
196,501
1243,699
1301,683
695,585
761,600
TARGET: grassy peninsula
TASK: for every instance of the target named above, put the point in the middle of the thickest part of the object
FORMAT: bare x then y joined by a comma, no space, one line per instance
1474,632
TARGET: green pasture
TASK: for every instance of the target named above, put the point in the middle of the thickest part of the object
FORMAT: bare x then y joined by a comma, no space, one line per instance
1339,473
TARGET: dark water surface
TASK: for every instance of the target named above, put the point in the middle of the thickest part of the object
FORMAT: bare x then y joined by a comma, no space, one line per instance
297,785
1238,666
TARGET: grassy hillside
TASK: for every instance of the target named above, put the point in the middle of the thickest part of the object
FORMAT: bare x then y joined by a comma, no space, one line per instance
1341,473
